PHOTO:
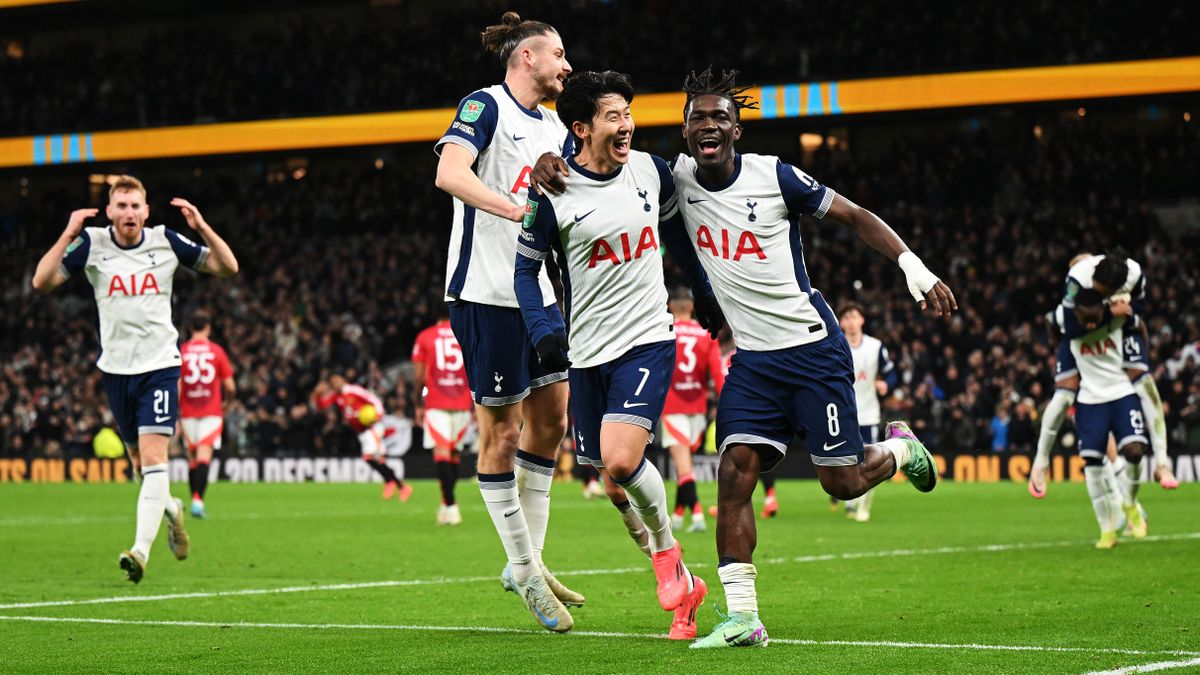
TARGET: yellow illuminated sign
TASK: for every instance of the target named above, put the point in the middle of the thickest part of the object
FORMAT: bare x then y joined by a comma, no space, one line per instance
885,94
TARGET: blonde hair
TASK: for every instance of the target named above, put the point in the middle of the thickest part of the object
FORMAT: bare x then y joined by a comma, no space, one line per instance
126,183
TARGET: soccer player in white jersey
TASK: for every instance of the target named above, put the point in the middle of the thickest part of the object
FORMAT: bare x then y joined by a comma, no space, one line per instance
520,407
1114,276
1106,404
132,269
874,376
604,229
792,371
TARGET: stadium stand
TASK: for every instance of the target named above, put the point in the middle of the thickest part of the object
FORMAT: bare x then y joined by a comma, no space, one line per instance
343,264
80,70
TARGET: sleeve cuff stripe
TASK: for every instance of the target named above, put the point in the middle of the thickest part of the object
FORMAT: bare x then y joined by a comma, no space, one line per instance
826,202
457,140
531,252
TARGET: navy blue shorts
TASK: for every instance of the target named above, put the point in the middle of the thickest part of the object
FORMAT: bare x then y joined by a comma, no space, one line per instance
1133,343
1094,421
631,388
142,404
806,390
501,363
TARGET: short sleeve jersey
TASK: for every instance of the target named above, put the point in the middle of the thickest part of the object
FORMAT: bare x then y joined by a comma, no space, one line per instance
871,362
506,139
697,361
604,232
747,234
1099,355
349,401
1081,274
437,353
132,287
205,369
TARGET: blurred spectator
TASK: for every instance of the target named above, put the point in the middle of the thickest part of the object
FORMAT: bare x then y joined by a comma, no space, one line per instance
341,268
223,64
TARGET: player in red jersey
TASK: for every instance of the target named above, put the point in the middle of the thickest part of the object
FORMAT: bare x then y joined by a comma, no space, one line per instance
443,405
685,414
205,374
363,411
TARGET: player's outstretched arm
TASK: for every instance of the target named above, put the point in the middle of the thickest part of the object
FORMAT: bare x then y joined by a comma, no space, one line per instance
221,261
454,175
48,275
924,285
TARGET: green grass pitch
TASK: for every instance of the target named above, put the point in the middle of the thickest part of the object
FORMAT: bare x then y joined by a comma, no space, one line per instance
971,578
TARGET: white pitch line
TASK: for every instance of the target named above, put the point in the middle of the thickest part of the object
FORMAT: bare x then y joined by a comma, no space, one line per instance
607,634
1150,667
443,581
44,521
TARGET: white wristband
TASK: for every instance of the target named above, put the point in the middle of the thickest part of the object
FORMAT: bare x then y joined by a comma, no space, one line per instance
920,279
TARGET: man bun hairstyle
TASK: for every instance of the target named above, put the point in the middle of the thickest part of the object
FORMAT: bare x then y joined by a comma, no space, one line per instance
502,38
579,97
725,85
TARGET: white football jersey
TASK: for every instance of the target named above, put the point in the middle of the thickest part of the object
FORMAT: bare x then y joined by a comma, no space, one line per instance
871,362
506,140
1100,357
604,232
747,235
133,294
1081,273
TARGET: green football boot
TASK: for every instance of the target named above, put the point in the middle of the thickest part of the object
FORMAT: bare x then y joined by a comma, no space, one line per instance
921,469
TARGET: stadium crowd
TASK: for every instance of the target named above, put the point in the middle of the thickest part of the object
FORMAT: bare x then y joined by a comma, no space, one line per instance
341,268
248,65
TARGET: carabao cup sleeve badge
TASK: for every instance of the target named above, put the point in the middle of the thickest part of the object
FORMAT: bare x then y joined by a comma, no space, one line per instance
471,110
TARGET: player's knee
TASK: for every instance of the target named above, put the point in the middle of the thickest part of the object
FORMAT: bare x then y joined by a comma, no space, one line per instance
843,482
1134,452
623,468
503,437
737,475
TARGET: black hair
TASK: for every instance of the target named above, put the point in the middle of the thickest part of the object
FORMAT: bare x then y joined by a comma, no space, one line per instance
1088,297
200,320
577,102
1112,270
502,38
705,83
851,307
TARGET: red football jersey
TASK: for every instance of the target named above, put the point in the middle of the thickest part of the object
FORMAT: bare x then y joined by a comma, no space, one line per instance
350,400
697,360
205,367
437,352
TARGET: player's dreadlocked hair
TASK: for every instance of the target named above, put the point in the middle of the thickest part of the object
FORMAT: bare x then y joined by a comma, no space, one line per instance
501,39
725,86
